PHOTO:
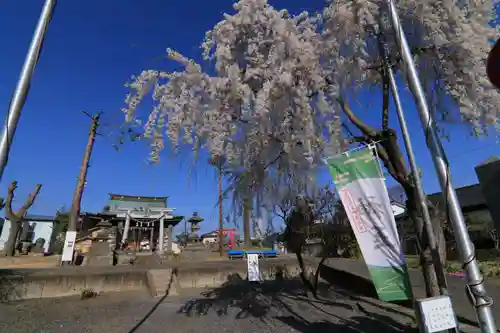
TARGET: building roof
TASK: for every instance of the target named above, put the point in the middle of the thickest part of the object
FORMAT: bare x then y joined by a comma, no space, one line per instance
40,218
469,197
210,234
124,197
98,215
491,159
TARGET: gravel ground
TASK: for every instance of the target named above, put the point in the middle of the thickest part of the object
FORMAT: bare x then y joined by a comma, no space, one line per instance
260,309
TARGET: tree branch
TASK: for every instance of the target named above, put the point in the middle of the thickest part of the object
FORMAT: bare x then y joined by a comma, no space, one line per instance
29,201
17,216
367,130
385,100
8,205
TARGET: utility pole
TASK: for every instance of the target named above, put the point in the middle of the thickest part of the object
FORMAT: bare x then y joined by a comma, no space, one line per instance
23,84
476,290
82,177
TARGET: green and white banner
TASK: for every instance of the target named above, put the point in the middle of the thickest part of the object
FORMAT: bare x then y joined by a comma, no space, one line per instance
364,195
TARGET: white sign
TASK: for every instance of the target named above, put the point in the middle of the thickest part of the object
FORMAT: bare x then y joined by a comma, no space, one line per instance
253,267
436,314
69,246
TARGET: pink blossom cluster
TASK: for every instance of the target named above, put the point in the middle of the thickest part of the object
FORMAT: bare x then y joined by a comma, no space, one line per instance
457,274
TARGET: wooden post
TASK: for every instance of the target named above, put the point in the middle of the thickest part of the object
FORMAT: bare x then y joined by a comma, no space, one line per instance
152,237
126,228
169,240
161,236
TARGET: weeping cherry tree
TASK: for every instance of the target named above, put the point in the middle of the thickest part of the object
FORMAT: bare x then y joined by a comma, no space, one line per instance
278,95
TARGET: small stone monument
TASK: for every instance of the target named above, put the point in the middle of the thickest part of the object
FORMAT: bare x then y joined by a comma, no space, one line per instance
39,246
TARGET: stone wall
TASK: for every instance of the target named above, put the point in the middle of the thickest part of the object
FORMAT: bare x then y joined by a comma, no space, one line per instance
71,281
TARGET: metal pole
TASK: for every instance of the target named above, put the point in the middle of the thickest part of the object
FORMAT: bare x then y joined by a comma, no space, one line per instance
475,281
422,198
23,83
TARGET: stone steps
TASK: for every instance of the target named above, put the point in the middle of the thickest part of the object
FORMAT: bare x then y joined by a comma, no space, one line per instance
149,259
161,281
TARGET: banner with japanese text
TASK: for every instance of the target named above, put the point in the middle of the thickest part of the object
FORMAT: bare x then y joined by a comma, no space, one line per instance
364,195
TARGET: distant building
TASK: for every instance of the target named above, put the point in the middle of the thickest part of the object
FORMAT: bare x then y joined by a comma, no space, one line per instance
143,204
474,207
210,237
488,173
42,228
139,220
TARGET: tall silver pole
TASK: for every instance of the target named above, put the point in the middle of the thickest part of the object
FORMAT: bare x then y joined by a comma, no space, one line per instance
23,83
475,281
422,198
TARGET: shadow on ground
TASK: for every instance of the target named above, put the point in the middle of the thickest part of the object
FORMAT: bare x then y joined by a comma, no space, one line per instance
381,324
279,299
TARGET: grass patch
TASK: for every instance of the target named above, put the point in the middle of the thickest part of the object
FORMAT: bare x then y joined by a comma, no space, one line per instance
488,268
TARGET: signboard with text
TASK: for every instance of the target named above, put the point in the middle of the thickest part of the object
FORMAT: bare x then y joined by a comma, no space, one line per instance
69,246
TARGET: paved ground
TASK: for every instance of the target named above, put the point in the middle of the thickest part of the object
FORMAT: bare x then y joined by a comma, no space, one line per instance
278,306
260,310
269,307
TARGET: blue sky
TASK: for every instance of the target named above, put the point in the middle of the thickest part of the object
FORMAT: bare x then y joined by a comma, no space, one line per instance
91,50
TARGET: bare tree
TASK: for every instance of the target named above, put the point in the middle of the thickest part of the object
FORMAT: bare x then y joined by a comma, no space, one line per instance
397,194
283,203
82,176
16,218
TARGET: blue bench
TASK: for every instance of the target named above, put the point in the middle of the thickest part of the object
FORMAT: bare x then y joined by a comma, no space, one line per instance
235,254
241,254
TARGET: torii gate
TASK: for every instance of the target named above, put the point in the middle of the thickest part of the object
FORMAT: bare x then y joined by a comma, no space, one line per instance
229,232
155,213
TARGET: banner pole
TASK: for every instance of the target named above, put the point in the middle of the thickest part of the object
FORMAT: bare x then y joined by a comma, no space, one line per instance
475,287
422,198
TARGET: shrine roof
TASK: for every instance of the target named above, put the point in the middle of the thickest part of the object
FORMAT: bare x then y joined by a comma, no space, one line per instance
124,197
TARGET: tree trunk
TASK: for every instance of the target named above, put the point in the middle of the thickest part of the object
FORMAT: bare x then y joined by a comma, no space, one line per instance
221,214
309,288
74,214
16,218
426,261
10,246
246,223
24,231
